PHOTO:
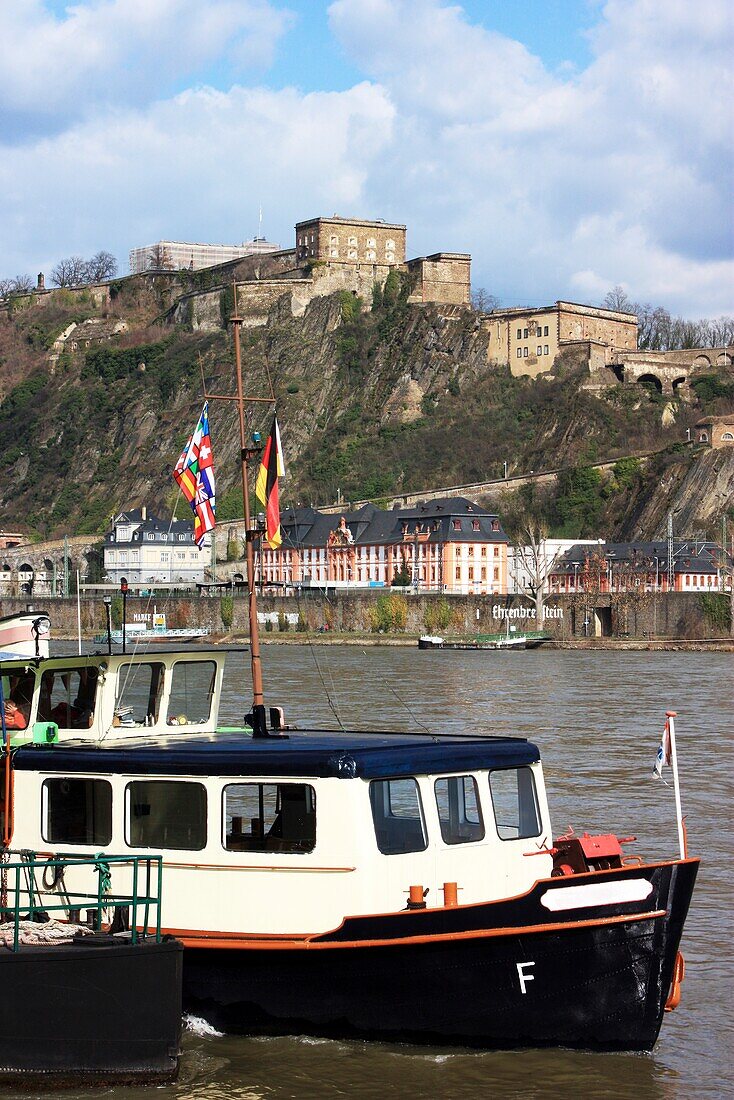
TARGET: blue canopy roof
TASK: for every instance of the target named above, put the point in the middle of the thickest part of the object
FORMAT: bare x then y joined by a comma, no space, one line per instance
319,754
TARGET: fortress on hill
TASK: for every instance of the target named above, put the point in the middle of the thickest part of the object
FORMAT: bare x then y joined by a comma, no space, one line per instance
356,255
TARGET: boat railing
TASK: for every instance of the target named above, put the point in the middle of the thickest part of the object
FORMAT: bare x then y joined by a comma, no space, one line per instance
23,899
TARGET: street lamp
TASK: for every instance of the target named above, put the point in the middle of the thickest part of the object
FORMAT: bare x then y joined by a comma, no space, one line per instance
123,589
107,601
505,465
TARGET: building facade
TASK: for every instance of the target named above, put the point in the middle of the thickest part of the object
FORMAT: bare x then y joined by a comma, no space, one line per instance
147,550
629,568
530,339
450,545
350,241
180,255
716,431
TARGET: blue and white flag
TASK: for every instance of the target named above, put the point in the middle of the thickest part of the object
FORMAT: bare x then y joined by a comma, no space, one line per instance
664,755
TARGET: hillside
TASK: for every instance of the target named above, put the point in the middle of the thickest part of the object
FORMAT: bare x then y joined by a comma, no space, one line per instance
372,402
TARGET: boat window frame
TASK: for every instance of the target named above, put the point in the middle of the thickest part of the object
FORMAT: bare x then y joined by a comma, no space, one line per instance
273,782
482,835
536,803
161,691
171,669
421,815
46,809
127,819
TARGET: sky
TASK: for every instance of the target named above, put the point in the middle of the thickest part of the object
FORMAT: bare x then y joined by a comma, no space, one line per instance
568,145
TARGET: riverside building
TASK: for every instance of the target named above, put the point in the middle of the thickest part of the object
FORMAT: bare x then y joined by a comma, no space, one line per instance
450,545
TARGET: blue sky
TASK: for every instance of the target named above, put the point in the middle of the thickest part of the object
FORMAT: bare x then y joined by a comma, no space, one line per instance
568,145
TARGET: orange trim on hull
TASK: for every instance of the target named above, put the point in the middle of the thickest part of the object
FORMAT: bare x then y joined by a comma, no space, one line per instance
234,942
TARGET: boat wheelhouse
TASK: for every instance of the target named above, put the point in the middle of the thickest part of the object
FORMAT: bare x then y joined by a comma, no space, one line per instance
306,869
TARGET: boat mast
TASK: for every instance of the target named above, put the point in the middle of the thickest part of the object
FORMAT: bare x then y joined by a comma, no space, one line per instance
247,453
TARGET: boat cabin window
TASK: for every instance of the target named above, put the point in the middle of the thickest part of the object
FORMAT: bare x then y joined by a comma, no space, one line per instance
139,690
398,816
166,814
269,817
67,697
17,699
457,800
515,803
192,689
76,811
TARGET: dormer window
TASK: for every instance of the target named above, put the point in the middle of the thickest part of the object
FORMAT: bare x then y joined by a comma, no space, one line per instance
495,525
456,524
475,525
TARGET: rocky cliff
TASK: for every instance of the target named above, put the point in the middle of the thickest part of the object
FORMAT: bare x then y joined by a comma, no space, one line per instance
374,397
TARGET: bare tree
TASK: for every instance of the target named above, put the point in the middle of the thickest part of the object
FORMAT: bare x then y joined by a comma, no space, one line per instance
532,565
70,272
159,258
616,298
20,284
102,265
482,301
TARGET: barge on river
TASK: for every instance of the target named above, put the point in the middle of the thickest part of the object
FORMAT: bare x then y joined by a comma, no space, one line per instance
372,884
89,999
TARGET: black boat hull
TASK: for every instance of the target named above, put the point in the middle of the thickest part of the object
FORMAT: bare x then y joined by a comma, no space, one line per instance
98,1012
501,975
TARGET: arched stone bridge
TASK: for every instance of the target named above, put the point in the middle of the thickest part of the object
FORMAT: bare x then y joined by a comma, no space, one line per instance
670,372
37,569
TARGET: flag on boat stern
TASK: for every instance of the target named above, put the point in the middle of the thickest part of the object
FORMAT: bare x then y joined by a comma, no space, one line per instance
271,470
194,473
664,755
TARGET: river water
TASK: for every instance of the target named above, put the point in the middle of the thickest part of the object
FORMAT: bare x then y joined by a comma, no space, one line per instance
597,718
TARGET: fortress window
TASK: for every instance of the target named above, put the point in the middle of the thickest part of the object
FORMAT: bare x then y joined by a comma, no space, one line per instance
540,349
524,353
524,334
519,334
545,330
389,244
352,253
333,239
371,254
519,353
334,253
389,256
545,350
371,242
352,241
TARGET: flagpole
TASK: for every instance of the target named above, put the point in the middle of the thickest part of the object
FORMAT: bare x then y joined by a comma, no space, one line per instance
670,716
257,718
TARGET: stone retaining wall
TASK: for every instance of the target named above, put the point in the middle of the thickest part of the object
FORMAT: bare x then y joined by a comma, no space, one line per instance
666,615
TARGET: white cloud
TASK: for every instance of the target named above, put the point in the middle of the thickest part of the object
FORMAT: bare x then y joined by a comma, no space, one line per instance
56,69
560,183
202,159
620,172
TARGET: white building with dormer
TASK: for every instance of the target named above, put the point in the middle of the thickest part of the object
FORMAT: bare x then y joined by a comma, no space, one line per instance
148,550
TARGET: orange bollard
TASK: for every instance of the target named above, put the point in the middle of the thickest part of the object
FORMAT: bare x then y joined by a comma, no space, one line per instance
415,898
450,894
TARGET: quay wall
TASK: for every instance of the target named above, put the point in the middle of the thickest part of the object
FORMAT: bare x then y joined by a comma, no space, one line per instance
676,615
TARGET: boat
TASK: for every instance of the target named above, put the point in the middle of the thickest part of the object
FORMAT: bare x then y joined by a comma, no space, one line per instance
379,883
526,640
136,633
25,633
88,999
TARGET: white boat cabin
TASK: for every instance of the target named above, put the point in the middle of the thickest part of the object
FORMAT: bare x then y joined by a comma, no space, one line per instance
285,835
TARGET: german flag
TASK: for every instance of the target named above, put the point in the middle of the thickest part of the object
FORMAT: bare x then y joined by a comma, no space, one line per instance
266,487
